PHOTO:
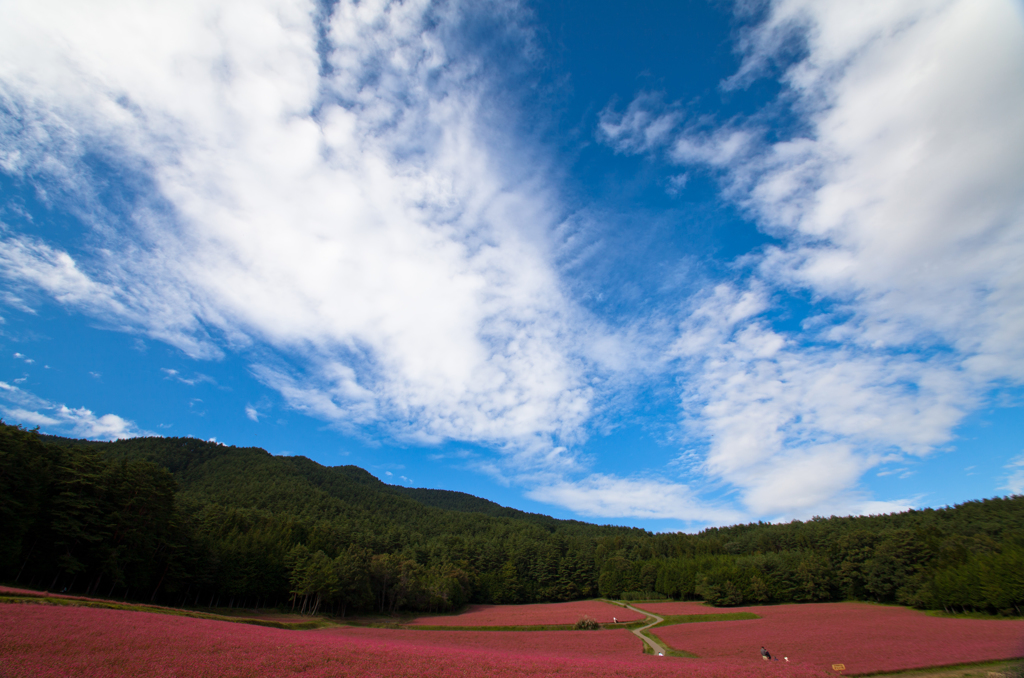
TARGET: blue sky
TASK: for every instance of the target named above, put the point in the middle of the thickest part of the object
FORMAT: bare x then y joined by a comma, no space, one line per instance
665,264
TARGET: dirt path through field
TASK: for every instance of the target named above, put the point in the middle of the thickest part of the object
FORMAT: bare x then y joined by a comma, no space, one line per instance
658,649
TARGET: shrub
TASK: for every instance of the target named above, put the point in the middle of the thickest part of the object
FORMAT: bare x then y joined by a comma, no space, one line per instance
587,624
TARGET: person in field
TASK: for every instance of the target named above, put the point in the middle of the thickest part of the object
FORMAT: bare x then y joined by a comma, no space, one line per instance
765,654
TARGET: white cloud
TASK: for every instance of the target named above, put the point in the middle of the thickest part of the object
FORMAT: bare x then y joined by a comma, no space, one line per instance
252,413
719,148
141,302
877,508
29,417
605,496
645,125
319,396
59,419
913,181
1015,480
904,203
489,468
796,425
198,378
900,204
360,222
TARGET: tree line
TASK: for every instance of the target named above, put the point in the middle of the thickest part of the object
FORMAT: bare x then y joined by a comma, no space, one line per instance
185,522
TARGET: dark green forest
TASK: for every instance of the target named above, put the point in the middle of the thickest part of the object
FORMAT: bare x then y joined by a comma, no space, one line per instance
189,523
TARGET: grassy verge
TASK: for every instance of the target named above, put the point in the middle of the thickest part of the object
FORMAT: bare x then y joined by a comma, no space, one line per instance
1003,669
967,615
669,650
133,607
673,619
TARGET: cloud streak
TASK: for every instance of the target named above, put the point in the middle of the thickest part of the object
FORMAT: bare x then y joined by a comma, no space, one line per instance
604,496
344,208
80,422
1015,479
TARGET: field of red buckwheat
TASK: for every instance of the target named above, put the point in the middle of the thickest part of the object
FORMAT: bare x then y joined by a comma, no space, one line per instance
56,641
866,638
609,644
49,642
533,615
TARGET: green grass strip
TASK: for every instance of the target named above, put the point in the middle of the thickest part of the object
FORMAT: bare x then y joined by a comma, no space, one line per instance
669,650
68,602
968,615
544,627
673,619
1003,667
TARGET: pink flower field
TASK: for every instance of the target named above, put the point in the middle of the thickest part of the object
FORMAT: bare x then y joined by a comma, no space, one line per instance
50,642
618,643
56,641
533,615
690,607
866,638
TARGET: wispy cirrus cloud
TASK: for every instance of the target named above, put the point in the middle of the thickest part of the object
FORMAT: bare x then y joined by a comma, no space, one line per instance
197,378
646,124
345,207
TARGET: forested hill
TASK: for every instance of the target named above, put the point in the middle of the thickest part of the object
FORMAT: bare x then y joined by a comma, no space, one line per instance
467,503
253,478
188,522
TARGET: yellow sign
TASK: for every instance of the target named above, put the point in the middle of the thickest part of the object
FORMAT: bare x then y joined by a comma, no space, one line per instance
839,667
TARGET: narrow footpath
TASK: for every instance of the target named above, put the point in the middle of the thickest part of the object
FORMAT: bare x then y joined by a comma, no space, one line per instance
653,644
